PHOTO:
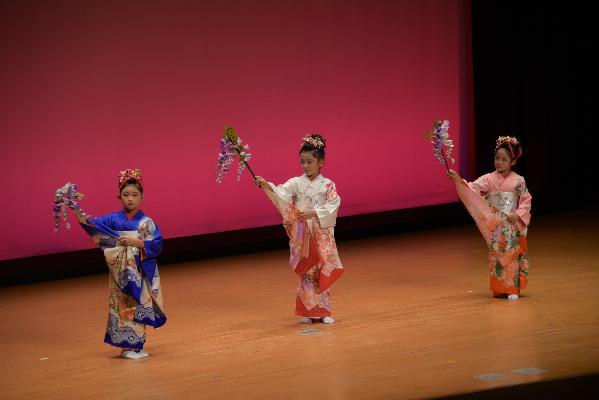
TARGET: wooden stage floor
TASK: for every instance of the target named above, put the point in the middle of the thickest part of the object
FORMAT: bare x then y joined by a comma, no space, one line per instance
414,320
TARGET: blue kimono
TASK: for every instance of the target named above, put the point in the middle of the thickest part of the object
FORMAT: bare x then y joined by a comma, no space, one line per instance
135,294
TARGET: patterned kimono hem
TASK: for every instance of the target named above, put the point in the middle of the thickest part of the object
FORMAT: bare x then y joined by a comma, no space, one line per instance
126,336
315,312
325,282
498,287
123,345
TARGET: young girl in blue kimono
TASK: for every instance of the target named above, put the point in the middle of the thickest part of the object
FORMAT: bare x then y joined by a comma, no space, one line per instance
131,242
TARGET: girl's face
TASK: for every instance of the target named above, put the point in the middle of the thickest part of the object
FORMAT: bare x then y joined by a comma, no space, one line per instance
503,162
131,197
310,164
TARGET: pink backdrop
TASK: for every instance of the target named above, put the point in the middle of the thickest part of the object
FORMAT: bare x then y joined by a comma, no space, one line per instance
89,88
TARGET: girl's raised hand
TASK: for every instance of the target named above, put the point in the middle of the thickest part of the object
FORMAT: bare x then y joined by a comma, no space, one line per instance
454,175
261,182
81,218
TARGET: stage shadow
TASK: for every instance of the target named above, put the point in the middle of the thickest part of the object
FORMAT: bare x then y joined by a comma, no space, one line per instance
579,387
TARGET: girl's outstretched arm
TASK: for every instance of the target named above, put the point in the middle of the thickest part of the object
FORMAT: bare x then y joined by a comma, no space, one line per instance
282,196
82,218
454,175
263,183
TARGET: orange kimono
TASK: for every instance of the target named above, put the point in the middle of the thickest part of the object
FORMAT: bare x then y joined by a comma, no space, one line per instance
489,200
313,251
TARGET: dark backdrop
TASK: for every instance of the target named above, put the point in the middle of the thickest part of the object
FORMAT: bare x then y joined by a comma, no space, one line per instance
533,78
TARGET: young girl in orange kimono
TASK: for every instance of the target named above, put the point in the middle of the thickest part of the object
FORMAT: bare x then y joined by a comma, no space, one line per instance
500,204
309,205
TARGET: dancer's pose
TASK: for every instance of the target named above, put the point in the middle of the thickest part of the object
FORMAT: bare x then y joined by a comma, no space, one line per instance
309,205
502,215
131,242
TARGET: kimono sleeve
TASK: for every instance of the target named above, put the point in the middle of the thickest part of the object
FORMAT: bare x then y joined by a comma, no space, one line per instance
524,204
481,186
103,222
101,229
152,238
287,191
327,213
282,195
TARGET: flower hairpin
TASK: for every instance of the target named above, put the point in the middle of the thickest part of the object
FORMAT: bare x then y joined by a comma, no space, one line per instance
506,139
510,141
313,141
129,173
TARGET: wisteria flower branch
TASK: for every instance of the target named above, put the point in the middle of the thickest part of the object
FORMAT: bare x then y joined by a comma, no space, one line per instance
231,146
439,137
66,197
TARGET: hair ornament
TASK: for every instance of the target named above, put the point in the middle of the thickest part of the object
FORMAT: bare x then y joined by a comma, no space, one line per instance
312,141
129,173
510,141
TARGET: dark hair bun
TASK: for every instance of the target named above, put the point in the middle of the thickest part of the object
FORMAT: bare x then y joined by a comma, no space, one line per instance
320,138
315,143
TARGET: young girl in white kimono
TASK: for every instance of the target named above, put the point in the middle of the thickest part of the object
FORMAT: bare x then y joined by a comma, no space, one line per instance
309,205
500,204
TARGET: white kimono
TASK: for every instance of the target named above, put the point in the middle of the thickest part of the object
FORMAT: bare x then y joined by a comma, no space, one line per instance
314,255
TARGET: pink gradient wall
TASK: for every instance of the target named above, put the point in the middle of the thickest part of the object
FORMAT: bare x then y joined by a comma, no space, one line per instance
89,88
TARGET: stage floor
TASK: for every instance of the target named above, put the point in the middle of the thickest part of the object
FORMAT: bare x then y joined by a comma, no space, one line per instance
414,316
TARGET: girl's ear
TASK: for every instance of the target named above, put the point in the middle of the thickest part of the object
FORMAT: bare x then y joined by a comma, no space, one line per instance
118,196
513,163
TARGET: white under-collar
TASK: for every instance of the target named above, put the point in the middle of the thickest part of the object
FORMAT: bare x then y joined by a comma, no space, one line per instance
318,178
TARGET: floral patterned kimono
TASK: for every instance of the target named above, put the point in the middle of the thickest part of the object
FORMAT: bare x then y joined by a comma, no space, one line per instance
489,199
313,251
135,294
